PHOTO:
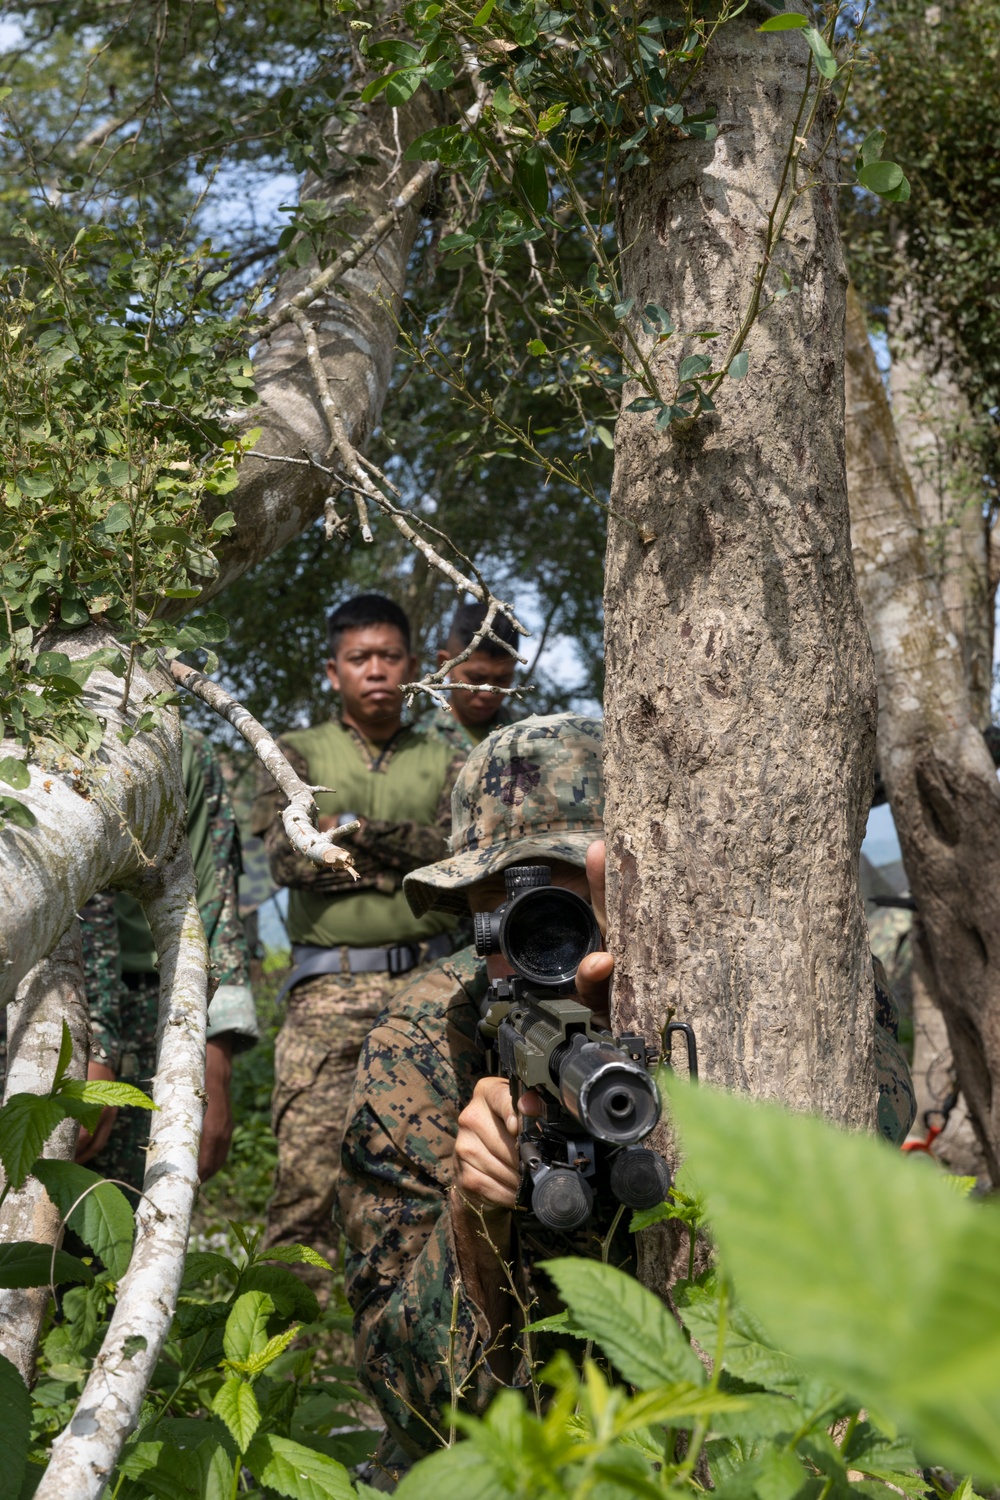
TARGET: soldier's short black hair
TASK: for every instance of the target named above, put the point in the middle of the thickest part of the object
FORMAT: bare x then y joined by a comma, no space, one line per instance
361,611
466,621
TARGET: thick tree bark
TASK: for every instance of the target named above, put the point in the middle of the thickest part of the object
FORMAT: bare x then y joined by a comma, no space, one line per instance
939,775
51,994
740,710
935,431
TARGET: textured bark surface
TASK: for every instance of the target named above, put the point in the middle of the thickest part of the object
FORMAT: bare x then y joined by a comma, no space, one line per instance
937,770
98,824
85,1452
740,710
51,993
355,320
934,428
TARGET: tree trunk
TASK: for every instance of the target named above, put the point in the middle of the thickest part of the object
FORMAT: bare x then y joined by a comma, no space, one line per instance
99,823
740,709
934,1081
937,770
934,427
51,993
356,322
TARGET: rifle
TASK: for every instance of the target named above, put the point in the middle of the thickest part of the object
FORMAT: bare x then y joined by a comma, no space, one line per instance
599,1098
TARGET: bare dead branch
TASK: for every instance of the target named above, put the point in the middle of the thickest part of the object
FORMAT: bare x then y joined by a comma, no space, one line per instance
300,815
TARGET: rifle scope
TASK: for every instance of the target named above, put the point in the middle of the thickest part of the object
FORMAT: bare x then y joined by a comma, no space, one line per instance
542,930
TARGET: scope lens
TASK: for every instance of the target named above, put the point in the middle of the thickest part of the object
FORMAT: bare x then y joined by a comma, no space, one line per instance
547,932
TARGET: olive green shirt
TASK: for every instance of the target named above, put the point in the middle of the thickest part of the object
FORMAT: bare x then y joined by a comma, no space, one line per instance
402,791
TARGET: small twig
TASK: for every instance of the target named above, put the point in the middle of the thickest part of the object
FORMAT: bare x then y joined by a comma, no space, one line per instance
299,817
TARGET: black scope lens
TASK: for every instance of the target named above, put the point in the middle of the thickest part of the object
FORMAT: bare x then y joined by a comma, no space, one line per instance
545,933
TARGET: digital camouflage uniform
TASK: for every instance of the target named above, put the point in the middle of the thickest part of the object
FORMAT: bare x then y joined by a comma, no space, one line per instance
443,723
329,1015
532,793
122,985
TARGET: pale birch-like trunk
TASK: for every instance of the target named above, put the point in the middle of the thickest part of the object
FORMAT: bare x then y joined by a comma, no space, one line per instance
740,708
51,994
934,426
939,775
99,823
86,1451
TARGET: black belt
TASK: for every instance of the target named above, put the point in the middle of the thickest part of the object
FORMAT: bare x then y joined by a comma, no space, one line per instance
308,962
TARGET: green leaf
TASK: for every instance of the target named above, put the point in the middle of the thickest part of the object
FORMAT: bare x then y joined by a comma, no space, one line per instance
26,1122
73,612
880,176
871,146
738,365
15,772
790,22
290,1296
296,1471
25,1263
236,1404
224,523
206,1265
170,1470
482,16
103,1219
402,86
246,1326
108,1093
65,1057
12,811
35,485
531,180
605,437
15,1426
694,364
121,473
296,1255
118,518
256,1364
825,60
907,1268
537,347
637,1333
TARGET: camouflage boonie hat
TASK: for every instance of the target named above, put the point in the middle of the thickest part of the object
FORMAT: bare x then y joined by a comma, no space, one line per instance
532,790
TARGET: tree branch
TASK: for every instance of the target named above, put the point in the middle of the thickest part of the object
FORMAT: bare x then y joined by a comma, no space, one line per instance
300,815
50,994
85,1452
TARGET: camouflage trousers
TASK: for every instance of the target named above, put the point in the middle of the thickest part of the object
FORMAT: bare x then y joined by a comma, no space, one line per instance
315,1060
124,1154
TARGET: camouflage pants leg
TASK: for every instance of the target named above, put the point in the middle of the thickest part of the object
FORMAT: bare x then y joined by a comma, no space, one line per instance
124,1154
315,1060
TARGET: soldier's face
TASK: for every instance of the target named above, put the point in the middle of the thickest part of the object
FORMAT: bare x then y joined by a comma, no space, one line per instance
476,709
370,666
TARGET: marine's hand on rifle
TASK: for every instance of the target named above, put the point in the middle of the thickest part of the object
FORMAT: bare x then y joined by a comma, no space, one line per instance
487,1165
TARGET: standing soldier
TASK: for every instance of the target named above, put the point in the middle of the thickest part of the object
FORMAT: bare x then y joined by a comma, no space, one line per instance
355,941
472,716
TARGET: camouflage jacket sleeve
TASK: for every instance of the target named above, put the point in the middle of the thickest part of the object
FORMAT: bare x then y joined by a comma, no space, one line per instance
418,1335
232,1010
102,978
288,867
405,846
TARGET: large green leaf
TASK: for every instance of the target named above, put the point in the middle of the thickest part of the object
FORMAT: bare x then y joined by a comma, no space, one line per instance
246,1326
236,1404
463,1472
197,1472
102,1219
748,1353
26,1263
295,1471
15,1426
637,1333
291,1297
26,1122
861,1263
